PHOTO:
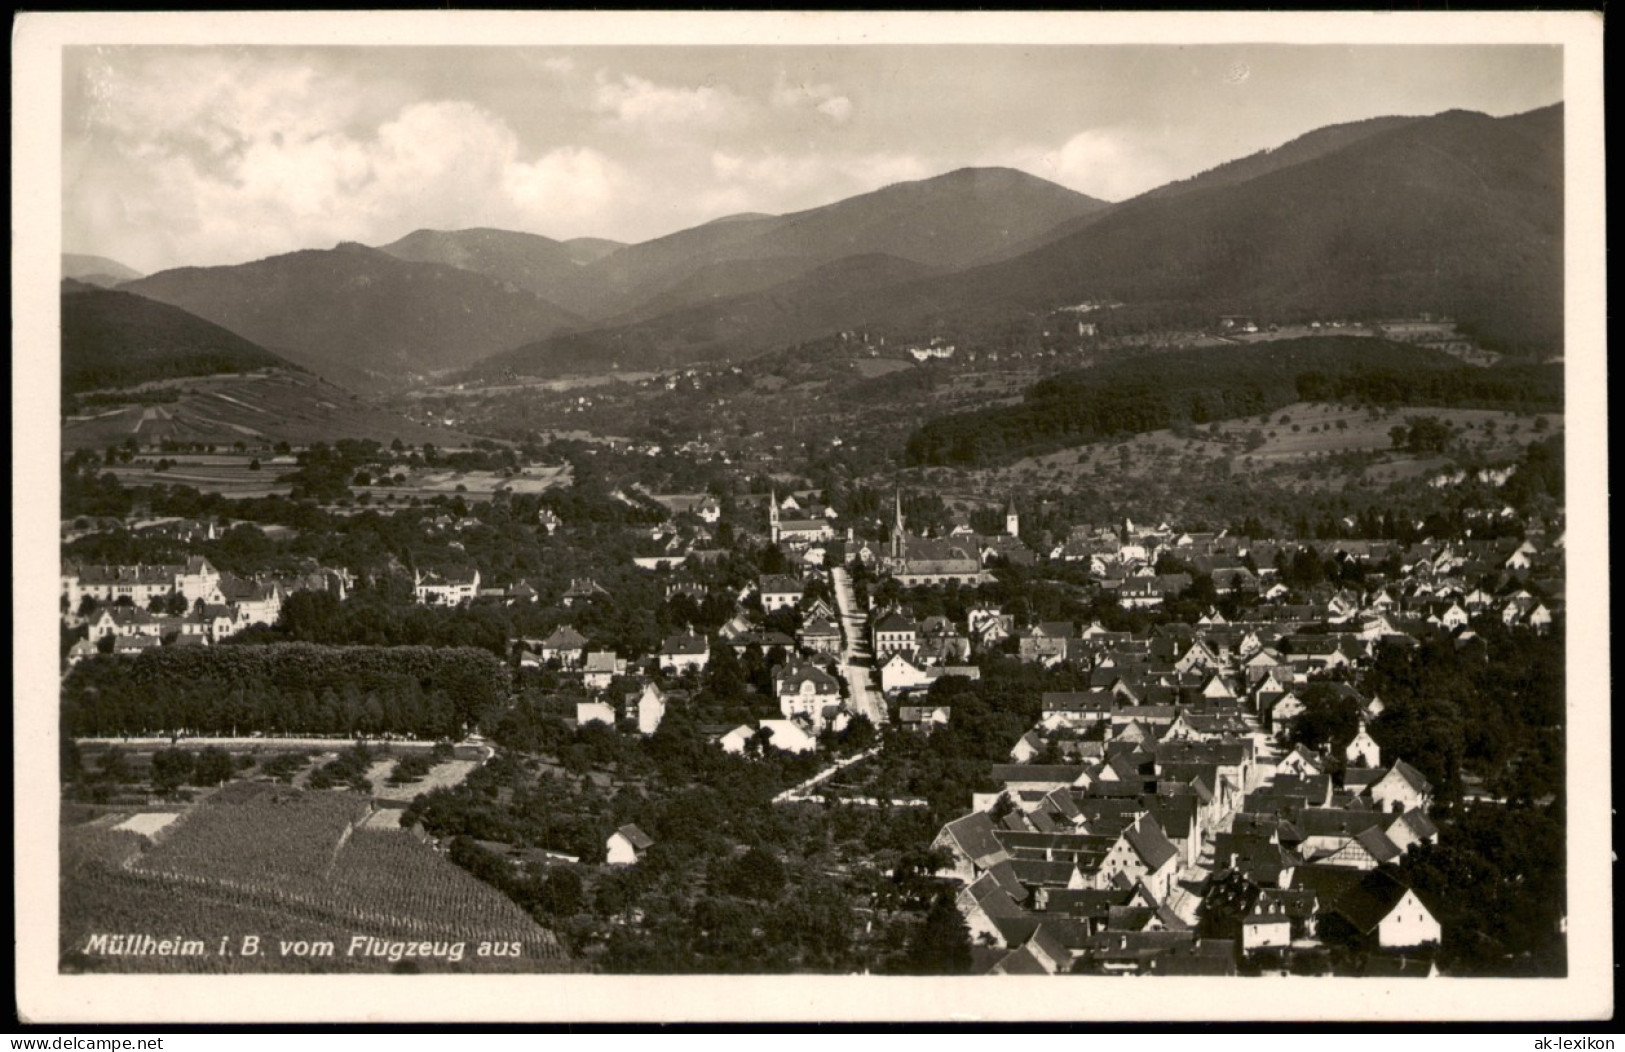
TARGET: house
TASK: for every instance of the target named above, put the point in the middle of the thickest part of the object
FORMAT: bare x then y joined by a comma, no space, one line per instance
788,736
684,653
79,651
901,672
123,622
819,635
892,633
1277,917
126,646
779,592
108,584
594,712
451,588
583,590
708,510
1402,789
1046,640
600,668
1362,750
806,693
626,845
734,741
923,717
1143,854
972,846
565,645
647,708
548,521
198,579
1372,905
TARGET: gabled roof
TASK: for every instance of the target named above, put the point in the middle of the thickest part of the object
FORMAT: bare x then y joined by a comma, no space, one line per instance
1147,839
565,637
974,833
1361,897
639,840
1377,844
894,622
1020,961
1412,776
685,645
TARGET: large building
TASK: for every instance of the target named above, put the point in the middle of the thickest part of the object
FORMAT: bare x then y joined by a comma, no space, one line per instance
928,560
795,531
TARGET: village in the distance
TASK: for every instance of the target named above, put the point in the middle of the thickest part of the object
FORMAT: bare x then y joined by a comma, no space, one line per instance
929,583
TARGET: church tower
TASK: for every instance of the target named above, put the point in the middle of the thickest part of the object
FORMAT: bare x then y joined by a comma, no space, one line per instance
897,528
773,514
1012,522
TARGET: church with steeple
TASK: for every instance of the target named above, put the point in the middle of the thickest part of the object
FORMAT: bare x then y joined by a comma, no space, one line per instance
797,532
915,560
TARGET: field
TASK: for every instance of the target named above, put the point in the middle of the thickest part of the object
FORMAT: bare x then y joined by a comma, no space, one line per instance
228,474
296,836
259,408
441,776
1294,446
431,483
261,860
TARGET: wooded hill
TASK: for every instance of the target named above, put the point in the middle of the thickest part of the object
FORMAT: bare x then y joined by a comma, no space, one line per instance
119,339
1200,386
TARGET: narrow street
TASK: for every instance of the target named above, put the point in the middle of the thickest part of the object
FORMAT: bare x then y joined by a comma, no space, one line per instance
855,657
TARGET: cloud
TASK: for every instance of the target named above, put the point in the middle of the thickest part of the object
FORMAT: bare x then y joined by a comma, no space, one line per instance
636,101
208,161
824,99
1106,163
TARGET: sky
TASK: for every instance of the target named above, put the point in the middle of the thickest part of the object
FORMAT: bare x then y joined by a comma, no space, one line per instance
177,156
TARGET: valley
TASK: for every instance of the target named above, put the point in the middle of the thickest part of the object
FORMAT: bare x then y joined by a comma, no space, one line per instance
661,606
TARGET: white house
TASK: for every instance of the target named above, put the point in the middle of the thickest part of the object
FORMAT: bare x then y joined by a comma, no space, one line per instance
1402,789
788,736
453,588
806,692
779,592
1362,750
626,845
594,712
648,708
685,653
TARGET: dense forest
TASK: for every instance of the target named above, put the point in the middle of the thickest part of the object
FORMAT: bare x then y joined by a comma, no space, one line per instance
118,339
1201,386
291,688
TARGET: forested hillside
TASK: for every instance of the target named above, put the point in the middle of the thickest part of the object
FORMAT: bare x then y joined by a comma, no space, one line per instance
1201,386
118,339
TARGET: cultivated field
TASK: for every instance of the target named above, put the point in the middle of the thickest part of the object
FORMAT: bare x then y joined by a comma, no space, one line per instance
282,863
230,475
259,408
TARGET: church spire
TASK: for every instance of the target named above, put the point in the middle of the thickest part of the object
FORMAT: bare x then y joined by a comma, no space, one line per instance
773,513
897,527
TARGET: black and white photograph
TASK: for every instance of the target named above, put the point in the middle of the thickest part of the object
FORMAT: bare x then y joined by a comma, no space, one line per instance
811,518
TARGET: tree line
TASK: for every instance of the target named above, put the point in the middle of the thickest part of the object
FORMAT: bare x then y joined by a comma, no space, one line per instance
286,689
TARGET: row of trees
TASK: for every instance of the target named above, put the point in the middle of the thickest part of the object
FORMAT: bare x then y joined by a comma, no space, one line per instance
293,688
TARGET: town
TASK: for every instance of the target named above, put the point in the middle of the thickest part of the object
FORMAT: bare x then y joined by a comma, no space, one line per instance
1219,753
